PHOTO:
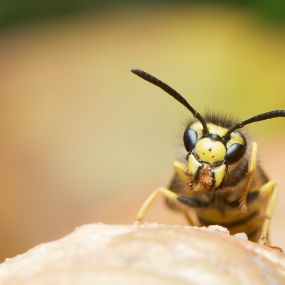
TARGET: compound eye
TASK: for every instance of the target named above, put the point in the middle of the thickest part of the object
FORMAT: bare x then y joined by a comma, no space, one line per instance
190,139
235,152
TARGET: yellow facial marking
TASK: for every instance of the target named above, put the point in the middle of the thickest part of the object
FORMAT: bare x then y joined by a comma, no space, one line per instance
197,126
214,129
210,151
219,173
193,165
235,138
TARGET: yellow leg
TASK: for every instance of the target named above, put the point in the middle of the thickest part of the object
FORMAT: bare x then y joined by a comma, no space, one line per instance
180,169
166,193
190,215
251,170
147,203
268,190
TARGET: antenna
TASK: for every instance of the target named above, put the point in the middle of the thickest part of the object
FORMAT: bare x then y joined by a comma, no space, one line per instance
259,117
150,78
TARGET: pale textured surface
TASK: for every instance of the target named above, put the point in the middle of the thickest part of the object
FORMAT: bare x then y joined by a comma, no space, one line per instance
146,254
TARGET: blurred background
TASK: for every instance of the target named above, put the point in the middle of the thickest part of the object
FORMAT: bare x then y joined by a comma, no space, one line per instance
83,140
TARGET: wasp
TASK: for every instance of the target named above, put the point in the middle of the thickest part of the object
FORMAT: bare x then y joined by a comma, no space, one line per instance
218,181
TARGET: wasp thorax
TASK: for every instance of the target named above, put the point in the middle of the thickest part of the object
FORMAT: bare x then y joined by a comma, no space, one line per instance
210,151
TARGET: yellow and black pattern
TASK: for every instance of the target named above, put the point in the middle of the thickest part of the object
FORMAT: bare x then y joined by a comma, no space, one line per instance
218,182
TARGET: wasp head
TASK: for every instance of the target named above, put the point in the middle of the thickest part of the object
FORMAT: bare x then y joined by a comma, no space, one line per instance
210,154
212,148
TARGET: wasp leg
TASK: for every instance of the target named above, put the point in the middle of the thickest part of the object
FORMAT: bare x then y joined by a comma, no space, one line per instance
179,181
251,170
190,215
268,191
180,169
192,220
177,200
147,203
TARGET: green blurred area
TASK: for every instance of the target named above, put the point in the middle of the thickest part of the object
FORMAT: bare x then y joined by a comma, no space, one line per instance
17,11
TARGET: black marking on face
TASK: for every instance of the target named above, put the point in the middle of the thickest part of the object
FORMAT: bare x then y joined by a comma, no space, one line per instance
215,137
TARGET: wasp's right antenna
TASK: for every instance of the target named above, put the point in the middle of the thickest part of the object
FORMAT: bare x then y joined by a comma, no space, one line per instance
148,77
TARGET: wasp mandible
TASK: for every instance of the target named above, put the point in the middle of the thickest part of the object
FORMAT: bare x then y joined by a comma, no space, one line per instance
218,181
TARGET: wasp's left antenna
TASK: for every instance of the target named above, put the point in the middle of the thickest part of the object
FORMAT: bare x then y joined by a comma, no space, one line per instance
260,117
150,78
